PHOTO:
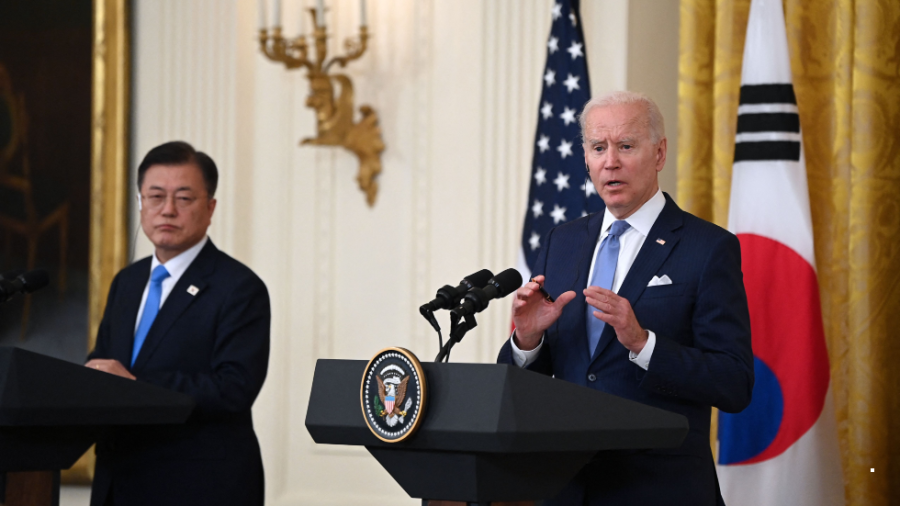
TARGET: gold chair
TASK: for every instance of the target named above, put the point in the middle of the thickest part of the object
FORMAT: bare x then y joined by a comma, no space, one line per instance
18,212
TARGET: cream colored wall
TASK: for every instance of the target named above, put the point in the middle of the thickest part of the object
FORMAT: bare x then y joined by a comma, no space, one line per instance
456,84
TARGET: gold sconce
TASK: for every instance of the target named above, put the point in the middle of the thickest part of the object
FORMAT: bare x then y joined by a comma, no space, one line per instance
334,109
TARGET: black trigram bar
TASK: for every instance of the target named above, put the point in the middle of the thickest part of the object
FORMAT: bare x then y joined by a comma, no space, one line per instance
768,94
769,122
767,150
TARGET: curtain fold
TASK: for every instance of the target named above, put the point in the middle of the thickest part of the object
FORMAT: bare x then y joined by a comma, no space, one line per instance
845,59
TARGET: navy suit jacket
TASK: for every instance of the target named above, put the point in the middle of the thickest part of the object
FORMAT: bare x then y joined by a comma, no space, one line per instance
702,356
213,346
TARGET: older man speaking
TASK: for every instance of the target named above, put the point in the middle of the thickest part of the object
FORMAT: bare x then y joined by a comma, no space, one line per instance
649,306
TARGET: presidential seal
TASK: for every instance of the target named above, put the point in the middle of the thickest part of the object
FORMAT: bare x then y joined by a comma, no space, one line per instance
393,394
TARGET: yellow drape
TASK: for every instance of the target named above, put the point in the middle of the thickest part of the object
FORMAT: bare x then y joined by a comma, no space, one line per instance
845,58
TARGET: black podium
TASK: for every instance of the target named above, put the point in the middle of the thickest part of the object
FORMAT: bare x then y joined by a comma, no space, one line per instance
52,411
490,432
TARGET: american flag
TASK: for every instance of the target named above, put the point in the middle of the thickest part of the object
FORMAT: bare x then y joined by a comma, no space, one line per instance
560,189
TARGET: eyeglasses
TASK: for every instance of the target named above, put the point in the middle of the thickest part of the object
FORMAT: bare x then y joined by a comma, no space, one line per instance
155,201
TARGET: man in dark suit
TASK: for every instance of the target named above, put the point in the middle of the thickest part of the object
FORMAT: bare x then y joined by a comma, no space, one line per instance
649,306
193,320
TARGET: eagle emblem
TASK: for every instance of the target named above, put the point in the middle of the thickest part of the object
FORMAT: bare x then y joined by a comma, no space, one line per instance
392,394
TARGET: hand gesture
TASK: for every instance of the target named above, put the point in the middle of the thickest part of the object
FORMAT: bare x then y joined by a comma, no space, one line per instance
533,313
111,366
616,311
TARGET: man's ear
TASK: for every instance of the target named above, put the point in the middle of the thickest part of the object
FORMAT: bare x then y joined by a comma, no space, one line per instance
661,154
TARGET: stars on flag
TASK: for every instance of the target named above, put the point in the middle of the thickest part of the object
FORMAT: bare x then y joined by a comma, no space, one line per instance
557,199
534,241
564,148
571,83
544,143
561,181
550,78
558,214
553,45
568,116
547,110
575,49
588,188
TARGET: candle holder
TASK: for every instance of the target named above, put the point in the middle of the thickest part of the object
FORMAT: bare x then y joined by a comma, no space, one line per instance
334,110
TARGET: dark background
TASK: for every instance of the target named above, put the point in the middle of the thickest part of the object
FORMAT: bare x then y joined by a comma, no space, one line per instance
46,47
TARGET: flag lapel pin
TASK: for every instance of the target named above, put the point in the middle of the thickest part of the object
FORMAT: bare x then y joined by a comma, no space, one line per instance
193,290
660,241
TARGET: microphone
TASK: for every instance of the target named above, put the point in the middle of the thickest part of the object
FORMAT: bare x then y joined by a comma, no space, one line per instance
477,299
24,283
448,296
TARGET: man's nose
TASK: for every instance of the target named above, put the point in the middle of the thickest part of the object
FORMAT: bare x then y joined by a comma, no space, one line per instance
169,207
612,159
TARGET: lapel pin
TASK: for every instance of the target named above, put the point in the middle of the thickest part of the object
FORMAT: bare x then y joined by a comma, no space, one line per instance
193,290
660,241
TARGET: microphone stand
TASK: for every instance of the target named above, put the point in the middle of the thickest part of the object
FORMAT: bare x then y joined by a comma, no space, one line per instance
457,332
429,315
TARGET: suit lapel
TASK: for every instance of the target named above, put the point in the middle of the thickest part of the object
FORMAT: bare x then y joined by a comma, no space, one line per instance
178,301
648,261
586,255
131,296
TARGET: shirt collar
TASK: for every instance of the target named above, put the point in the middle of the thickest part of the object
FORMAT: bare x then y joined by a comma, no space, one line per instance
643,219
179,263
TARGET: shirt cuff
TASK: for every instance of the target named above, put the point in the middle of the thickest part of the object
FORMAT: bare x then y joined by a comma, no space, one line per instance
642,359
525,358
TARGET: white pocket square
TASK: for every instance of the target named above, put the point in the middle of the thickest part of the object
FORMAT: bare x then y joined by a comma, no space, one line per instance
660,281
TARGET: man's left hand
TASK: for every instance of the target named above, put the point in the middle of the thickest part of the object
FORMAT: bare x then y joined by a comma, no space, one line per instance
110,366
616,311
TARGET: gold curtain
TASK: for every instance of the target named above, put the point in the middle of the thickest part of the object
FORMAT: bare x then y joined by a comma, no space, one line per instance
845,58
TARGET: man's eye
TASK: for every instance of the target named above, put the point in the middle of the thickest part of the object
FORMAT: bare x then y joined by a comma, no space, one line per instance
156,198
626,146
598,148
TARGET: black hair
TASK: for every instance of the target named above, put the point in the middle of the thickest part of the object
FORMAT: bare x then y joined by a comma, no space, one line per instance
181,153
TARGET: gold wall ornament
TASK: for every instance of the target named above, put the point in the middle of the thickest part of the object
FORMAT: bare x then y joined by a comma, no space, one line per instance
334,108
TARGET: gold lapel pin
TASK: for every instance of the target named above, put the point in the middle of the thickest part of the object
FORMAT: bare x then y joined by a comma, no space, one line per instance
660,241
193,290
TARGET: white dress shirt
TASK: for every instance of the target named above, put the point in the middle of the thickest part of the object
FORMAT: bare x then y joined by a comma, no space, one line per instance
630,243
176,267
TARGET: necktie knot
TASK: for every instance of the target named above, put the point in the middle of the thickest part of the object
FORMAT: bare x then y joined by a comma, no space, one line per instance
618,228
159,274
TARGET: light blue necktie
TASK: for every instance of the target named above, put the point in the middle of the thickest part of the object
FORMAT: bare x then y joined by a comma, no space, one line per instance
604,272
151,309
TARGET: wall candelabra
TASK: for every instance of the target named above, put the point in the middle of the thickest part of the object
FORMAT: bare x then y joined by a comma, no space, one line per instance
331,94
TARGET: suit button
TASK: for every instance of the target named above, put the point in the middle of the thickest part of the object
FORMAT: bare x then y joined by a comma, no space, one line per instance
592,377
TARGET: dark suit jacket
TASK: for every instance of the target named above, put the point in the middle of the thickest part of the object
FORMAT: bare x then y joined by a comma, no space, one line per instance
213,346
702,356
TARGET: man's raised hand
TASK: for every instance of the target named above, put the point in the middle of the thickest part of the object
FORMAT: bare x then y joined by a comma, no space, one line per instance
533,313
616,311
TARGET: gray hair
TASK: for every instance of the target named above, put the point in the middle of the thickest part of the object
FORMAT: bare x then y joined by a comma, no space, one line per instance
654,119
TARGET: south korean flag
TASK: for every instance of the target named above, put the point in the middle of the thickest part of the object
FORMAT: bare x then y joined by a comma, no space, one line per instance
782,449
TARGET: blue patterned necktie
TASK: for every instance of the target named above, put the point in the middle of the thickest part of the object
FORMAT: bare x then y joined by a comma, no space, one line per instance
604,272
151,309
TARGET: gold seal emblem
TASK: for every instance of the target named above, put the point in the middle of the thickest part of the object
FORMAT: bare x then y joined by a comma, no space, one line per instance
393,394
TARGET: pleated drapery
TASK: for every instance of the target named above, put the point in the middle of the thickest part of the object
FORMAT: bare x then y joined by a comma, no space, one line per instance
845,59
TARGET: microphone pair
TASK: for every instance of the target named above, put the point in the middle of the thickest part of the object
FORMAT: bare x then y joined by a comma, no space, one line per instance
474,292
